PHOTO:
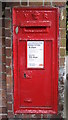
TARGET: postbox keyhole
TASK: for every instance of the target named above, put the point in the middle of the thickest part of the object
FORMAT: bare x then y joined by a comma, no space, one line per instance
24,75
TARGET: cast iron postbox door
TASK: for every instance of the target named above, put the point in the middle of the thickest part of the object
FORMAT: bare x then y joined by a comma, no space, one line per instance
35,56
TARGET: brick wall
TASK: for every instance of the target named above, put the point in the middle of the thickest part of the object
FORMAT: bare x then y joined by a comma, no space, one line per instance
6,60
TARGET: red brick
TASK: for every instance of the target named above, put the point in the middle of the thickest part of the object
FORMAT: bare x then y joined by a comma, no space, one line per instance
4,94
62,61
3,76
3,22
3,59
62,52
3,41
35,116
9,79
3,68
24,3
0,51
3,50
61,107
9,106
0,58
25,116
7,23
8,43
63,42
47,3
58,4
9,84
9,97
4,87
0,109
0,42
8,52
7,33
0,68
35,3
63,22
3,84
44,116
8,71
9,89
8,12
0,84
3,31
4,102
3,110
63,33
12,4
19,116
8,62
10,115
4,117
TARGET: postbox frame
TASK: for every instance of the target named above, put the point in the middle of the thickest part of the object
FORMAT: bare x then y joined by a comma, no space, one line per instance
37,110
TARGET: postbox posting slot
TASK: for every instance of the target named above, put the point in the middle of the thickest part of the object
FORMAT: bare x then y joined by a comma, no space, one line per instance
34,29
36,26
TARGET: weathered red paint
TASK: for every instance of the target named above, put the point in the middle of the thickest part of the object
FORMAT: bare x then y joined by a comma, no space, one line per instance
35,89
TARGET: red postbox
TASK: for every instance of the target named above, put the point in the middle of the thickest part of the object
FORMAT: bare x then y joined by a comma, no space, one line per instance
35,58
